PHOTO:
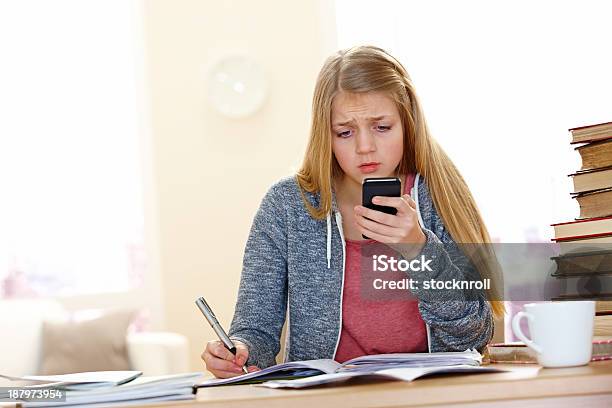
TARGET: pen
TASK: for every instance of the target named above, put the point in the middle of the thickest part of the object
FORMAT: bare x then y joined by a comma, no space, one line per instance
214,323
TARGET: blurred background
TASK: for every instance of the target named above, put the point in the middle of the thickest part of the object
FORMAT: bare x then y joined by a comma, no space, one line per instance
137,138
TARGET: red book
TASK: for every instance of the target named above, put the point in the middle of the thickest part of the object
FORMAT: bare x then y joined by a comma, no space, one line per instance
587,228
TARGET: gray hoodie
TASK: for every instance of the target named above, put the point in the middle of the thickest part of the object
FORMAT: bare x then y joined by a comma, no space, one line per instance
294,266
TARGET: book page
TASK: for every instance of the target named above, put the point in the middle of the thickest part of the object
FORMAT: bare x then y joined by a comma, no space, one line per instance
290,369
402,374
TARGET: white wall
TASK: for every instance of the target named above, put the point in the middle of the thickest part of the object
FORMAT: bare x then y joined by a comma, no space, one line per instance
211,172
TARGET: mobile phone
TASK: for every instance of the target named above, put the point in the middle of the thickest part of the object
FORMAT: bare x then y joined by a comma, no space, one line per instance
380,186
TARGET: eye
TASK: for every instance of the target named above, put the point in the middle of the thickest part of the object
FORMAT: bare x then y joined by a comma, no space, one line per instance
345,134
382,128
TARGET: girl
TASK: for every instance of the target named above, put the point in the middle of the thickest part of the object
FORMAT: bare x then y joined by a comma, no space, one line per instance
302,258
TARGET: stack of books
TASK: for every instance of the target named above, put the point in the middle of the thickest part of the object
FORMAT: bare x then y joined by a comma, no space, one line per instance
593,182
99,388
586,243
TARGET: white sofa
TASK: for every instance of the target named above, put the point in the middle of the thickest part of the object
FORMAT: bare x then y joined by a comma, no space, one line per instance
153,353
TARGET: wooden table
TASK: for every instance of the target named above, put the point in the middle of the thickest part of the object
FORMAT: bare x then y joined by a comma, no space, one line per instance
524,386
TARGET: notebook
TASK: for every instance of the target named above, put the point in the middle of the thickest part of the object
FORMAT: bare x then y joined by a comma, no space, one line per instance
138,391
403,366
74,381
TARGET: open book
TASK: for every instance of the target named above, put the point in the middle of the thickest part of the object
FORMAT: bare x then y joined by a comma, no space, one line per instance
401,366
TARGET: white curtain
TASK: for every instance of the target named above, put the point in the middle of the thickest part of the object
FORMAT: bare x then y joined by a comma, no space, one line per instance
71,211
501,82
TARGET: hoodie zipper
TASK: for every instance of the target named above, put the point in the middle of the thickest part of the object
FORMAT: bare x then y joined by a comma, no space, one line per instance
338,218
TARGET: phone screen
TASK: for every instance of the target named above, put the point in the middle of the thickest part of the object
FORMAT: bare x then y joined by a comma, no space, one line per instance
385,186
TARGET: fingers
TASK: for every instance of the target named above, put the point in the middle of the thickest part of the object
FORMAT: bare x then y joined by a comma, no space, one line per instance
387,228
242,353
373,235
374,215
401,203
376,227
219,350
252,369
215,365
225,374
410,201
221,362
221,368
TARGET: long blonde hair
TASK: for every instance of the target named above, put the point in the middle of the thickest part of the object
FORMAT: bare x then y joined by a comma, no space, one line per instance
367,69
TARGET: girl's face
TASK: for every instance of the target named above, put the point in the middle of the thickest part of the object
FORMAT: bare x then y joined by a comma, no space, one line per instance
367,134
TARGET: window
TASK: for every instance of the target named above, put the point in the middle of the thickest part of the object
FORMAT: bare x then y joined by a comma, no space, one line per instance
70,148
500,84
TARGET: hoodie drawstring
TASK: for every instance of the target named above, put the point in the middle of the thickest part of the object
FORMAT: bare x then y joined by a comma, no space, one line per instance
329,232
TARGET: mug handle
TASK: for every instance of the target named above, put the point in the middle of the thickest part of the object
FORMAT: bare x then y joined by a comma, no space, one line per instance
516,328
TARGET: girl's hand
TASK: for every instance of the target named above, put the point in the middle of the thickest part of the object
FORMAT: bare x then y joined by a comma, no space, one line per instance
402,228
222,363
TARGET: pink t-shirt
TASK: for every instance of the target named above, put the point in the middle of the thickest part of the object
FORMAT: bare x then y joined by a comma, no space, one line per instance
371,326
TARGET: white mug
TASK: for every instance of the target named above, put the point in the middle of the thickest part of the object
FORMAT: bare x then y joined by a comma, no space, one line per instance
561,332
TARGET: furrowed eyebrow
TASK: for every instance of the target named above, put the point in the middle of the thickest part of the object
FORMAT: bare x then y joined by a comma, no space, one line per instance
371,119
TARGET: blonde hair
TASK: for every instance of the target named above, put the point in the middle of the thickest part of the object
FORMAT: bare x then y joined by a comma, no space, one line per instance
368,69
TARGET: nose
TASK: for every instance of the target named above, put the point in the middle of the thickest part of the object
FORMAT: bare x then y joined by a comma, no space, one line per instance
365,142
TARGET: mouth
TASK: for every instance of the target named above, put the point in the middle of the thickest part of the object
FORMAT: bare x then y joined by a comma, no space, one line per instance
369,167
